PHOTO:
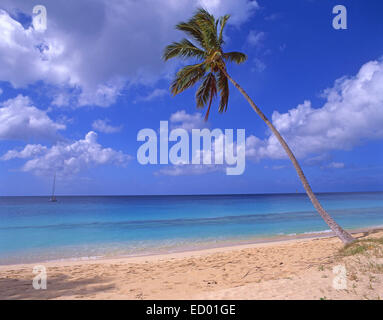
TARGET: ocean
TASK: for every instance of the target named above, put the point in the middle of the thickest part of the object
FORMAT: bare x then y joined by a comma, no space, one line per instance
34,230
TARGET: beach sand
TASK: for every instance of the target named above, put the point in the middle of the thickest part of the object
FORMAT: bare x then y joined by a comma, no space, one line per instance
293,269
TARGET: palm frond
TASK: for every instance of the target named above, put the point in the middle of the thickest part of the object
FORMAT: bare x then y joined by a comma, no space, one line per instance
223,87
205,41
206,93
222,22
182,49
237,57
208,26
207,88
187,77
192,29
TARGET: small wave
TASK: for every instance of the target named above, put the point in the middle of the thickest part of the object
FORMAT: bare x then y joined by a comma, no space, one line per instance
300,233
318,232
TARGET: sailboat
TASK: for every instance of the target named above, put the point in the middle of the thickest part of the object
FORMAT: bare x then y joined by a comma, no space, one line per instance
53,198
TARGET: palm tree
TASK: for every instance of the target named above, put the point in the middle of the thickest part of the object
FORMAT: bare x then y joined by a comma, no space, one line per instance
206,32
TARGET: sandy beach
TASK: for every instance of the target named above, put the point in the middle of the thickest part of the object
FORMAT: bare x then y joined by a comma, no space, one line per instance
292,269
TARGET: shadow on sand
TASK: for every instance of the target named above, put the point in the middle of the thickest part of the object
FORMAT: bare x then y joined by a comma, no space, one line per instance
58,287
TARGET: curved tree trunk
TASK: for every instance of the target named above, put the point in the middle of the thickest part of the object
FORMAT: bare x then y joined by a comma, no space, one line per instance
336,228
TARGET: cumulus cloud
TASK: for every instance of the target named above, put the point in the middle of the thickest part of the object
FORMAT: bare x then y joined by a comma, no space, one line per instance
352,113
26,58
20,120
68,159
30,151
187,121
104,126
88,44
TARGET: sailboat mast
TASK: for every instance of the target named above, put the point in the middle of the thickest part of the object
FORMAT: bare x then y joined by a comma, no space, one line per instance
54,186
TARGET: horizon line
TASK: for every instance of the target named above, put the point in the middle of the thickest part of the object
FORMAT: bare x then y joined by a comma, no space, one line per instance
189,195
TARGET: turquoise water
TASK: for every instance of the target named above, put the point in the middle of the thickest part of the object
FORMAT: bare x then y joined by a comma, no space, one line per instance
33,229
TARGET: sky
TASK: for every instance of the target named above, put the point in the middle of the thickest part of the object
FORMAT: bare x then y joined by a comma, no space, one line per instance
74,97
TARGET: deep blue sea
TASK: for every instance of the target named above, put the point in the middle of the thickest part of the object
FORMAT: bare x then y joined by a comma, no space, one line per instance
33,229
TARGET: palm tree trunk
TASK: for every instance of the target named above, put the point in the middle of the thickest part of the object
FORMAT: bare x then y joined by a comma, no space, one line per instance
336,228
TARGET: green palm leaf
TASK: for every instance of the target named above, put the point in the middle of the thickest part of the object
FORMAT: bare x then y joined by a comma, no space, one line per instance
187,77
205,40
192,29
223,86
207,92
222,23
208,27
182,49
237,57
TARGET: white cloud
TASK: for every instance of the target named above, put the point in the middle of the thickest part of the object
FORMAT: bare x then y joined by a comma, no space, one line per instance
254,37
318,160
240,10
156,93
184,120
61,100
88,45
68,159
351,114
25,58
20,120
259,65
335,165
102,95
30,151
104,127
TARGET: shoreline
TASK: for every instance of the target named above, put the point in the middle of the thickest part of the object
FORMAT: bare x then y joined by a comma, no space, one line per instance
184,252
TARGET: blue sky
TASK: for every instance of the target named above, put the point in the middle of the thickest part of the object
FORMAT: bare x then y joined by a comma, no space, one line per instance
74,97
